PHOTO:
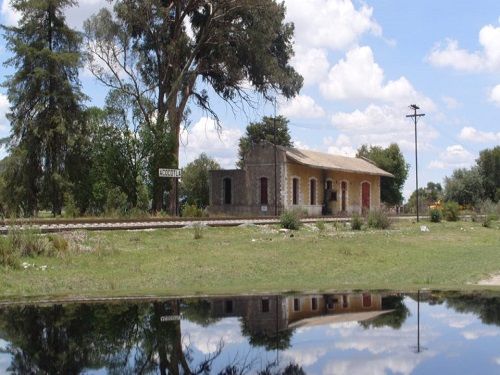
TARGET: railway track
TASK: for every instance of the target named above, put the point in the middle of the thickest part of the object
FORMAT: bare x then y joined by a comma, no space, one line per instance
51,226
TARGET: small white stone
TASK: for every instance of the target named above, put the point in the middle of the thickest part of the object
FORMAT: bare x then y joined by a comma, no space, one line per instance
424,228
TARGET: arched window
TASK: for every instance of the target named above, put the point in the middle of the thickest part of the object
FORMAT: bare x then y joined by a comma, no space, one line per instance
312,190
263,191
227,190
295,191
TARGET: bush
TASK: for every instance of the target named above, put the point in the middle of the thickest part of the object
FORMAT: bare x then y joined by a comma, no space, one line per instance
9,256
70,208
197,232
451,211
356,221
116,202
320,225
435,215
191,210
489,208
60,245
290,220
379,219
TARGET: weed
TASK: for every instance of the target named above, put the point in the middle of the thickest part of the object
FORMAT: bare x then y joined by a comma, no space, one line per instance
320,225
290,220
451,211
197,232
356,221
435,215
378,219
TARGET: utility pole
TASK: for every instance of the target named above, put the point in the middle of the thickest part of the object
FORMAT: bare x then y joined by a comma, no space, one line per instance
415,117
275,164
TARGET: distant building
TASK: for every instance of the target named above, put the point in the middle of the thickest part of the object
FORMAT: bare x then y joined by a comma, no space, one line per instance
316,182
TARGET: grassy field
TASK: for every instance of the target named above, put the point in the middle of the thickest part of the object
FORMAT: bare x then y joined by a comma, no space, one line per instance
261,259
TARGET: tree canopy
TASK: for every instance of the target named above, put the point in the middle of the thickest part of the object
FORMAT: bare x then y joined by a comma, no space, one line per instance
194,183
391,160
167,54
45,97
265,130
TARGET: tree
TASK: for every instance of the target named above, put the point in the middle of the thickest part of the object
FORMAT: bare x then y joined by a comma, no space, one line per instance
433,192
165,54
489,169
264,131
391,160
465,187
194,183
45,98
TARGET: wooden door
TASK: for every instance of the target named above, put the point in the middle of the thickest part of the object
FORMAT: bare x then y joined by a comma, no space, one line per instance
365,196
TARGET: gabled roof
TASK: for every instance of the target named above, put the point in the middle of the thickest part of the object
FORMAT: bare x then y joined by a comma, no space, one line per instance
334,162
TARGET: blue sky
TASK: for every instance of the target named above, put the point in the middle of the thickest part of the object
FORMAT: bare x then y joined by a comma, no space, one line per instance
363,64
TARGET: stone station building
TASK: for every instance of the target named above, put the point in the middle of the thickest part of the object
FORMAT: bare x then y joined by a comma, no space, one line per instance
315,182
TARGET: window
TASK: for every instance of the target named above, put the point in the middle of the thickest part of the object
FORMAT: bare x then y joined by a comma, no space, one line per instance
265,305
329,185
343,195
296,304
263,191
312,190
295,193
226,186
367,300
228,307
345,301
314,303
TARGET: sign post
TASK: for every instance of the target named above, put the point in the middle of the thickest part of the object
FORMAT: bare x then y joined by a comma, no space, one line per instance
176,174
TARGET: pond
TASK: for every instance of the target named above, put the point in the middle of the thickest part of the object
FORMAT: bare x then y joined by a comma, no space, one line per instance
356,333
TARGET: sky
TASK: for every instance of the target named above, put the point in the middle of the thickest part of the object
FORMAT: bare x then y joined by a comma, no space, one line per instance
363,63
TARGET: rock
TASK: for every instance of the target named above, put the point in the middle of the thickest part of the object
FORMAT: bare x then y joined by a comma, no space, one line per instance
284,230
424,228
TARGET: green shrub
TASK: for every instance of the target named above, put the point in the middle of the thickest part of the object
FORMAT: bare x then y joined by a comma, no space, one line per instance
487,207
451,211
435,215
290,220
378,219
356,221
60,245
487,220
320,225
197,231
9,256
70,209
191,210
116,202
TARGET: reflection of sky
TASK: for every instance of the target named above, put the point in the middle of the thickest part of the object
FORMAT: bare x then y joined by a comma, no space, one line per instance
4,358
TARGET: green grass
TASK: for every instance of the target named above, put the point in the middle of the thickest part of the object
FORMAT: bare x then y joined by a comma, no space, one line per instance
260,259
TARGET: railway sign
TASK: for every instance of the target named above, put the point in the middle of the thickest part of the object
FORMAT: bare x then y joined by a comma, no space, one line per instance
173,173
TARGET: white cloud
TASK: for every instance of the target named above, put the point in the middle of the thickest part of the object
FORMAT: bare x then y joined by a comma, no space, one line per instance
208,339
304,356
358,76
455,156
9,15
311,63
204,137
451,55
382,125
497,360
301,106
450,102
4,108
473,135
75,15
495,95
333,24
340,146
476,334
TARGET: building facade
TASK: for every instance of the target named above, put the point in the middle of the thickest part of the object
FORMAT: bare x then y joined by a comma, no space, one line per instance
314,182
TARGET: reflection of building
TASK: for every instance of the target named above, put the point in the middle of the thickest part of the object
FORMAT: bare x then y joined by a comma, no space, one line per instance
312,181
271,313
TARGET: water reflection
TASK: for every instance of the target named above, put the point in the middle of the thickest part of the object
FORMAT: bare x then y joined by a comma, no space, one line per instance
318,334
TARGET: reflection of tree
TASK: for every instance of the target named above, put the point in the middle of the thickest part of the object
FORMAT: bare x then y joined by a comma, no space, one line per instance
199,312
123,338
394,319
271,369
270,340
486,307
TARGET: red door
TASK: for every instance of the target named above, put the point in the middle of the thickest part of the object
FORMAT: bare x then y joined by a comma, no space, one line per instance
365,196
